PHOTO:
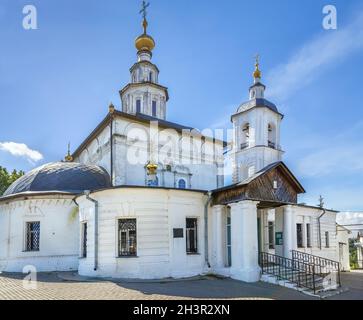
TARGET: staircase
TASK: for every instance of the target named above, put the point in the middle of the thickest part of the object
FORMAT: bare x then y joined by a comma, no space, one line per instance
307,273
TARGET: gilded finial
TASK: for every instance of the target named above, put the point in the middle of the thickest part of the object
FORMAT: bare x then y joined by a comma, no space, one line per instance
257,73
68,157
144,42
144,14
111,108
151,168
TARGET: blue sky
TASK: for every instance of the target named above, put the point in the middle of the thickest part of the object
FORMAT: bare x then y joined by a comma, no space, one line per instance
56,82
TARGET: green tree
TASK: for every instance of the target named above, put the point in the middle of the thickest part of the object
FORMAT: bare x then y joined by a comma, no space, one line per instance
353,254
6,178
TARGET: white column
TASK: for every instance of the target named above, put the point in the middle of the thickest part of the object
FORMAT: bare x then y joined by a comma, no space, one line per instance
244,241
218,245
289,233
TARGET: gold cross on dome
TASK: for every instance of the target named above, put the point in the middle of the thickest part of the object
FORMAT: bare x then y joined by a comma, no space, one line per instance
144,7
257,57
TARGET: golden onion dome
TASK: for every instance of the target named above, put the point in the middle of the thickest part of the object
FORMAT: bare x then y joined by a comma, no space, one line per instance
257,73
144,42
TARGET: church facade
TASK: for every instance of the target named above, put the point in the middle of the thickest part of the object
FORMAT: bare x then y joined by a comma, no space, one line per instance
143,197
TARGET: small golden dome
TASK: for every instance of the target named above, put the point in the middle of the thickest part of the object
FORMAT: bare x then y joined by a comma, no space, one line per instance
68,157
144,42
151,168
111,108
257,73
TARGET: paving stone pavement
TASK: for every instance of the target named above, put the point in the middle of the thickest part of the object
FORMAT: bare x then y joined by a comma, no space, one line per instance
52,286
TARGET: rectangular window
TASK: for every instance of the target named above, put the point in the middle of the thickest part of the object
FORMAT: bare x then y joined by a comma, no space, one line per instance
84,240
299,235
154,108
229,241
327,244
191,235
127,238
138,106
308,235
32,236
271,240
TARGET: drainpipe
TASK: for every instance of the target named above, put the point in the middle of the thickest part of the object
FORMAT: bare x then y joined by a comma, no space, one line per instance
87,193
111,149
324,212
206,253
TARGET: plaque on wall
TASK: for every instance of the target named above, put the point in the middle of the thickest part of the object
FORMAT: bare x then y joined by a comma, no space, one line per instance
279,240
178,233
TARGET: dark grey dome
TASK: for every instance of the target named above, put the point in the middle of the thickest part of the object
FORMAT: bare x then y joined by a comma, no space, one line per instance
62,177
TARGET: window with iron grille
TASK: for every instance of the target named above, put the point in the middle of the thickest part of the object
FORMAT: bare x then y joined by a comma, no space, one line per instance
84,240
192,235
271,240
32,236
308,235
299,234
127,238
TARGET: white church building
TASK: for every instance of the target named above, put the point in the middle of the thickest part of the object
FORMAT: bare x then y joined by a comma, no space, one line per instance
144,198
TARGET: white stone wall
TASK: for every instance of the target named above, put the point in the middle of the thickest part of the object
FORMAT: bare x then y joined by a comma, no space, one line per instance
199,167
58,234
157,212
305,215
343,248
146,94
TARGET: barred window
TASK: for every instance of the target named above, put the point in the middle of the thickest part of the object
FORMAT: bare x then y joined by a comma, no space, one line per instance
308,235
192,235
271,240
127,237
84,240
299,234
32,236
182,184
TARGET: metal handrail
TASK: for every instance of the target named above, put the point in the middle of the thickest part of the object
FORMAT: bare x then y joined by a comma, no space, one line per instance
323,265
298,272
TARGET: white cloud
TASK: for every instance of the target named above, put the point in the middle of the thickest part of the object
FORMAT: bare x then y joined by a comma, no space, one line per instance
350,218
21,150
342,153
328,48
332,160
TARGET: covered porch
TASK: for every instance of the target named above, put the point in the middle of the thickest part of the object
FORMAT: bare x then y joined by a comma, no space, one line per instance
254,216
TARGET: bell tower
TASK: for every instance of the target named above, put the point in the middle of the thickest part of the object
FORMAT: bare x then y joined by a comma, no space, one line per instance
144,95
256,126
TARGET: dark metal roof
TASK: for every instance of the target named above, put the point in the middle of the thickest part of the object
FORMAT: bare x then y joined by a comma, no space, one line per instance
61,177
138,117
257,103
163,123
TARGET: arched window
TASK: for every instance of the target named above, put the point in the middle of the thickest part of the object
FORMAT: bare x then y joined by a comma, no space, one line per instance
153,111
151,77
245,141
138,106
182,184
272,136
